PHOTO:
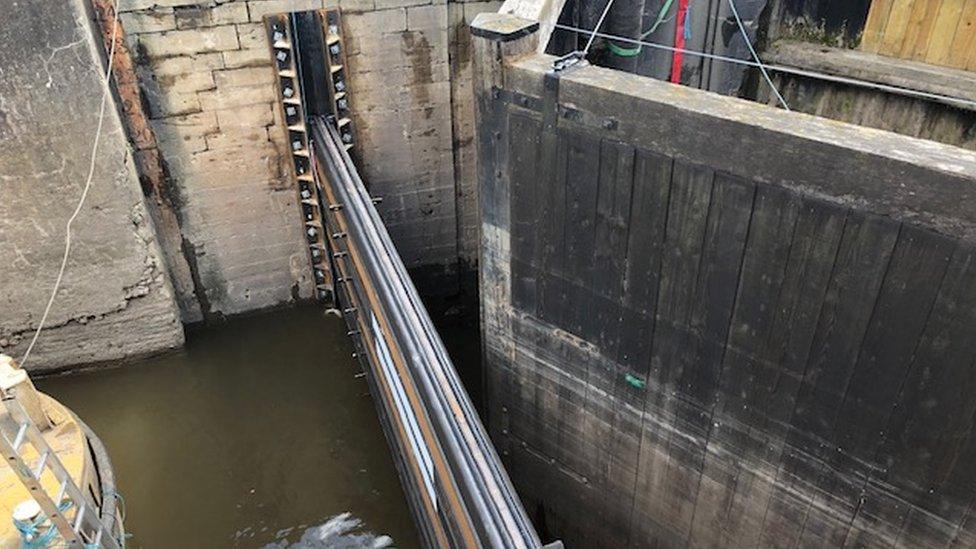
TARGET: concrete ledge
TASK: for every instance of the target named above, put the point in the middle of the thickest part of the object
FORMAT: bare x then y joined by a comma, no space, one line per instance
502,27
901,73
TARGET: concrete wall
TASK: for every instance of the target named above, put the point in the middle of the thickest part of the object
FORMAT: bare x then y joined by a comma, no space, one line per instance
460,16
710,323
410,78
115,301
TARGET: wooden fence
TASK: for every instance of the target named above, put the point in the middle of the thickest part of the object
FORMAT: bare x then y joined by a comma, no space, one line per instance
941,32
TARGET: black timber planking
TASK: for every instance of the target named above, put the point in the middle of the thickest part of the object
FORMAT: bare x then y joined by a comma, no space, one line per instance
697,381
582,185
667,514
524,149
875,387
609,255
771,313
892,340
726,492
552,214
851,298
929,438
813,252
646,222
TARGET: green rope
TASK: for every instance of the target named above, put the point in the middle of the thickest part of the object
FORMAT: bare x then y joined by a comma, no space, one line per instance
634,52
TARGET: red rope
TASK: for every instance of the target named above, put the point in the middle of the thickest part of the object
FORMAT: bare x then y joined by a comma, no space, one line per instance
679,41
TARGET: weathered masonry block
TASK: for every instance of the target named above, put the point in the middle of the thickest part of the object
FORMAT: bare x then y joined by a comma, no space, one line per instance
205,70
710,323
115,301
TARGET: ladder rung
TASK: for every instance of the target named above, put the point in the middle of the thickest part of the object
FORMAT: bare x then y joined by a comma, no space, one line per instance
19,439
79,516
39,469
61,492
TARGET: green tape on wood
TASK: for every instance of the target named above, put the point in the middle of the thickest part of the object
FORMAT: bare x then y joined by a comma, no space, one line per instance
635,381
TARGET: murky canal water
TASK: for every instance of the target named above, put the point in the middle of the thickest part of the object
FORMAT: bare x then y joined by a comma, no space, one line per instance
254,435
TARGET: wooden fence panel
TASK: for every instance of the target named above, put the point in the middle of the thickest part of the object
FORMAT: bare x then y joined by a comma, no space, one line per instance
941,32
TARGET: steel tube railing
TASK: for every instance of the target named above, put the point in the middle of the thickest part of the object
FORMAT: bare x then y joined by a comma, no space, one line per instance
481,507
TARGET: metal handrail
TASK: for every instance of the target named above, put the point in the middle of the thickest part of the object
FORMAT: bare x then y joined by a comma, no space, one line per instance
490,505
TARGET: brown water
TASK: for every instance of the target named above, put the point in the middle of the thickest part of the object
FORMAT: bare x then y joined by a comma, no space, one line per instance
256,434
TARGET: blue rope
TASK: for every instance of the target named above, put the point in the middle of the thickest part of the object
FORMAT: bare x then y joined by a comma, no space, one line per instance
32,539
30,533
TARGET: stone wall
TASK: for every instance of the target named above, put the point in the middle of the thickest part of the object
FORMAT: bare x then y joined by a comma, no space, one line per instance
115,301
223,199
205,71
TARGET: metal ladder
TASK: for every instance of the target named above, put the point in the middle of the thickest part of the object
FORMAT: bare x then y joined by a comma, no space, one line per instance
84,528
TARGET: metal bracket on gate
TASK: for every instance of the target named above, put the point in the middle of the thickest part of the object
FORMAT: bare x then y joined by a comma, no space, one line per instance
550,87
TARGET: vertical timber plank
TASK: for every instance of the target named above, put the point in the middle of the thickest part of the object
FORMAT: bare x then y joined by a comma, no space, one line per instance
813,253
874,28
929,440
552,285
964,43
610,250
918,265
848,306
919,31
720,519
701,369
897,26
662,511
646,218
944,32
524,176
582,180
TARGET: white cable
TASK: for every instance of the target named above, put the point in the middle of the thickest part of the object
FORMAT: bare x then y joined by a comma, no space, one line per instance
87,187
955,101
755,56
599,23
